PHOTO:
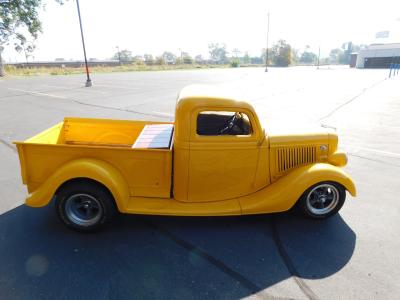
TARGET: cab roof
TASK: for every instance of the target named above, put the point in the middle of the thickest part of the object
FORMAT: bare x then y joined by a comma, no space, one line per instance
194,96
197,97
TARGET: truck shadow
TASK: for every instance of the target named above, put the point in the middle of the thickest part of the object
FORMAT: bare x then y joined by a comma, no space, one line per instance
147,257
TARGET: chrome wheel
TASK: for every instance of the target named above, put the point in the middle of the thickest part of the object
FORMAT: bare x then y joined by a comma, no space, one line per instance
83,209
322,199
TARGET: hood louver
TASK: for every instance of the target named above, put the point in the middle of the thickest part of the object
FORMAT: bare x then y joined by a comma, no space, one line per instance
291,157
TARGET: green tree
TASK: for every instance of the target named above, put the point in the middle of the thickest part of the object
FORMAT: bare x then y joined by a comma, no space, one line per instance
308,56
336,56
187,59
271,55
199,59
218,53
169,57
123,56
246,58
160,60
342,55
281,54
19,22
148,59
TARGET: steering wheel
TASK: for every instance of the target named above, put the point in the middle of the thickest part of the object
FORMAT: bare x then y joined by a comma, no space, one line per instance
229,124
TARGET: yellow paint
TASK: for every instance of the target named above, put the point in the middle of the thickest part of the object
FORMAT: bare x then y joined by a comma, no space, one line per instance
212,175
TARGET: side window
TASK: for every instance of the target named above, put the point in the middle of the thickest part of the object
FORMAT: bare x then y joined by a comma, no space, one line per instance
223,123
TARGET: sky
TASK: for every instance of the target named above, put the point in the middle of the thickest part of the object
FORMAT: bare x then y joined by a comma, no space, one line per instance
151,26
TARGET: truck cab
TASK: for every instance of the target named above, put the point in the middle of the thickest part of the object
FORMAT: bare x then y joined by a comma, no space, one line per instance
220,149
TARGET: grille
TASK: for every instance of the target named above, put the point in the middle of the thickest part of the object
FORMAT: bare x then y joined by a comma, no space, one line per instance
288,158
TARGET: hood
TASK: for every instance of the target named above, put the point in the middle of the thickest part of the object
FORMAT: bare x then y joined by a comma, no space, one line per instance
290,149
284,136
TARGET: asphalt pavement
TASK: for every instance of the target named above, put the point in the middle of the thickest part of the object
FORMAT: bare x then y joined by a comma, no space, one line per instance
353,255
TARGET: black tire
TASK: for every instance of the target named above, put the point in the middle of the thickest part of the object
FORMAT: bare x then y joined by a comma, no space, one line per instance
85,205
317,205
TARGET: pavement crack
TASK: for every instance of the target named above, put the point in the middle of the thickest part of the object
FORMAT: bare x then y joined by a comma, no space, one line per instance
8,145
289,263
351,99
245,282
374,160
44,94
118,109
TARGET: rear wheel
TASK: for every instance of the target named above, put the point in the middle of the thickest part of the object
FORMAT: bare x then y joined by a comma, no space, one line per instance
85,205
322,200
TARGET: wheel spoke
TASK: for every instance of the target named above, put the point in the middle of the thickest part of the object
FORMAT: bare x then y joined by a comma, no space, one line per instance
87,212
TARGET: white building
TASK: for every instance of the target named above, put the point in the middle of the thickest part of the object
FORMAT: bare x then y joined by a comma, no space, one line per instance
378,56
384,49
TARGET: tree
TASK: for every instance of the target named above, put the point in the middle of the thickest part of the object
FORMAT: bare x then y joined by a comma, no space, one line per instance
123,56
271,55
187,59
160,60
281,54
307,56
138,59
199,59
169,57
342,55
148,59
19,22
218,53
246,58
337,56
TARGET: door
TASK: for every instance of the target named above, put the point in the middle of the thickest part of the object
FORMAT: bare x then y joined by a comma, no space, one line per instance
224,149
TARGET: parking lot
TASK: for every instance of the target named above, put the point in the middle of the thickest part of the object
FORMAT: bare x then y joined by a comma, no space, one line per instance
353,255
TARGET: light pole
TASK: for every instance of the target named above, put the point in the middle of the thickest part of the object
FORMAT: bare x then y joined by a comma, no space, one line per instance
88,80
119,55
266,54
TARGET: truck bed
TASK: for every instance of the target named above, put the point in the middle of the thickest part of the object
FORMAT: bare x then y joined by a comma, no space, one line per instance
107,140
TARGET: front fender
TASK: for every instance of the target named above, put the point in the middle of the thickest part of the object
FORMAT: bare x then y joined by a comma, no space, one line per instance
93,169
284,193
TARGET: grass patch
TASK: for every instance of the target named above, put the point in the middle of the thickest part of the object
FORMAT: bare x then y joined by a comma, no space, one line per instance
34,71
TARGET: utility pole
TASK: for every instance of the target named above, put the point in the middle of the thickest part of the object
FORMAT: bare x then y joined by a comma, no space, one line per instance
119,55
88,80
266,54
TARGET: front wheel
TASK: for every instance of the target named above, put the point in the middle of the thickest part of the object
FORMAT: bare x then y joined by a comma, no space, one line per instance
84,205
322,200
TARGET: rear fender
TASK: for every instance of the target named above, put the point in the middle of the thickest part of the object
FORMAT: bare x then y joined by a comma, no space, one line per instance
97,170
284,193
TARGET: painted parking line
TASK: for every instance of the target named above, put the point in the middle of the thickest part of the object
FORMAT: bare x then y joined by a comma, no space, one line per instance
8,145
118,87
163,114
38,93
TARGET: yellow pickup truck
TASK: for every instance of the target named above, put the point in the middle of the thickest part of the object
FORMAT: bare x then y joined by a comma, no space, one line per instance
215,160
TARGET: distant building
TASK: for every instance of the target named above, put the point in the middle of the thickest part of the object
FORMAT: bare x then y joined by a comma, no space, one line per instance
378,56
384,51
